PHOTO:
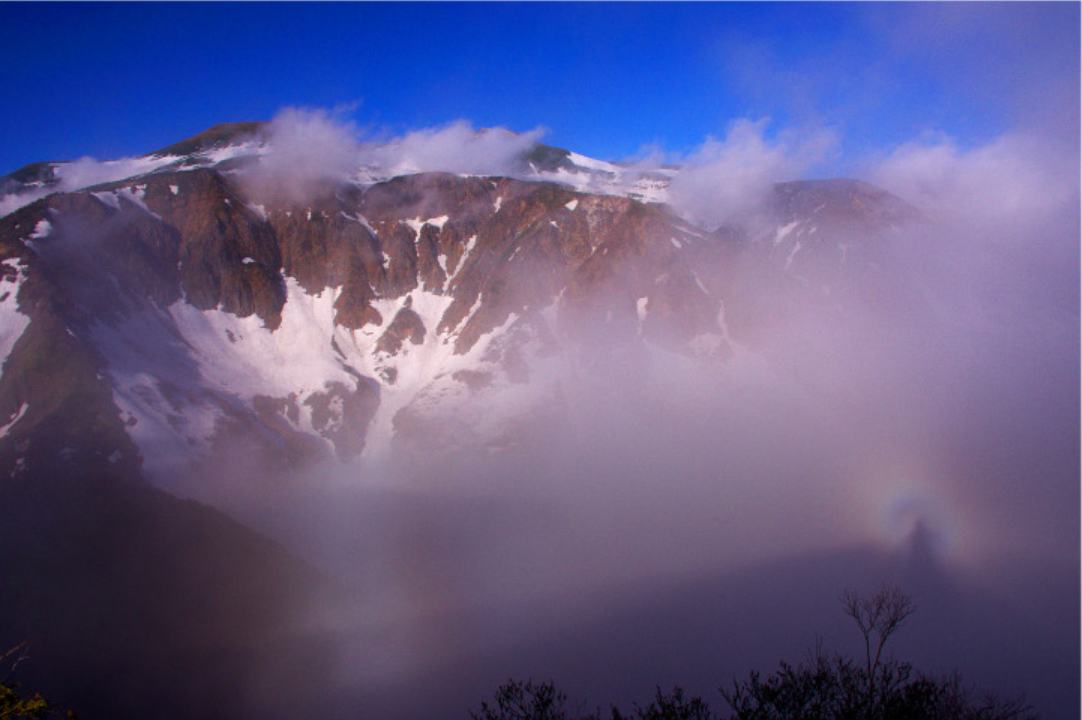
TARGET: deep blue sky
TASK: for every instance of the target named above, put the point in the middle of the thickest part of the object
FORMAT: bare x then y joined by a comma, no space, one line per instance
605,79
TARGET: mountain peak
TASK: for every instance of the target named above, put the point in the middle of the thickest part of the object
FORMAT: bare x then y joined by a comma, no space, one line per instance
216,136
843,200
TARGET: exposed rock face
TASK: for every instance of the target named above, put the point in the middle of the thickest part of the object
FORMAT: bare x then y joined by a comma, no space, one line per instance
173,309
832,226
228,255
407,325
841,203
342,413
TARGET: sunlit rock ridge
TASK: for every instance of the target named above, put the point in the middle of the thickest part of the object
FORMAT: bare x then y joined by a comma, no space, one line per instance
180,313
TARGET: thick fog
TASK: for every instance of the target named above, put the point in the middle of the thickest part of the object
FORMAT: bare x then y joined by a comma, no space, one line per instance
681,523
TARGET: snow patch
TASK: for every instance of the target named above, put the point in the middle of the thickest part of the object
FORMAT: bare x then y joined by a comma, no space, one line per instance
297,357
18,415
364,223
41,230
699,283
212,363
722,325
572,205
136,198
108,199
416,367
417,224
470,244
178,373
12,321
792,254
784,231
228,152
591,164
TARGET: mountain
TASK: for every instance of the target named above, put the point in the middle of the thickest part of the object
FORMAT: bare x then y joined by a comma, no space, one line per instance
152,320
173,324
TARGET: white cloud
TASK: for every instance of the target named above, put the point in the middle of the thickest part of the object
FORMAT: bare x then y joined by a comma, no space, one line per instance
79,174
456,148
727,181
310,150
307,151
1014,179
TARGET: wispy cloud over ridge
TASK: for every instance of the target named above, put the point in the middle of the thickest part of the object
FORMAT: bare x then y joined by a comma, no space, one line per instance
306,150
456,148
729,180
311,149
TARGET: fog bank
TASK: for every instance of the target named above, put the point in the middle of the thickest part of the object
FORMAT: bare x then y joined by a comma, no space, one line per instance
704,519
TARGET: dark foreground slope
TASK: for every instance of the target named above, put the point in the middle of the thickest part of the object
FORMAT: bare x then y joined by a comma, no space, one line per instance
137,605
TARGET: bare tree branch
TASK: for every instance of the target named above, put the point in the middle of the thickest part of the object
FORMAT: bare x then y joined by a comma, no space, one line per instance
878,618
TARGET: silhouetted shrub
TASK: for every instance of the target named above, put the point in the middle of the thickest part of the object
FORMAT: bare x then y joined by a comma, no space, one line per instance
822,687
673,706
15,705
839,688
517,700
